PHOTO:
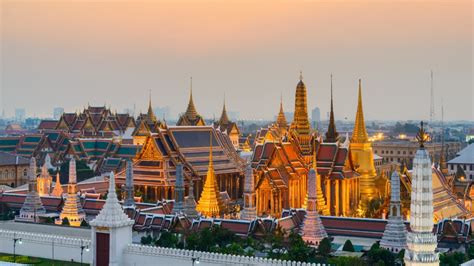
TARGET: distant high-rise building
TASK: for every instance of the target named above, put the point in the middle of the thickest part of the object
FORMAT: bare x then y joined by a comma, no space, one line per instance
315,116
57,112
20,114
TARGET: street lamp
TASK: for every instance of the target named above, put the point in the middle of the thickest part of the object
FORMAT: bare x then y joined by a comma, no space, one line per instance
15,239
194,259
86,247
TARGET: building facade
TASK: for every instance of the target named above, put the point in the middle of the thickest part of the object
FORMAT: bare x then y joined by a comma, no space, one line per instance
403,151
13,170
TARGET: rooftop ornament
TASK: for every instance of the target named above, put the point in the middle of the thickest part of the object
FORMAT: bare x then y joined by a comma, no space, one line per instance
421,136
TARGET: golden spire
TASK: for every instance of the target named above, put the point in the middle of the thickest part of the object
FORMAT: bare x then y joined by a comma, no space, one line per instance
151,114
210,204
359,135
191,112
224,118
281,119
58,189
331,134
300,121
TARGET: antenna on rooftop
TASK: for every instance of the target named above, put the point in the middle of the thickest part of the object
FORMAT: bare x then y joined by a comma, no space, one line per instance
432,107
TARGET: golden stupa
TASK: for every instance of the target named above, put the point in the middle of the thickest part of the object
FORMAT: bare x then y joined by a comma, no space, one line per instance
210,203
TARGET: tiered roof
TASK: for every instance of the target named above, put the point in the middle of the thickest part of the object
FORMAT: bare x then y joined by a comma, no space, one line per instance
186,145
191,117
95,121
224,124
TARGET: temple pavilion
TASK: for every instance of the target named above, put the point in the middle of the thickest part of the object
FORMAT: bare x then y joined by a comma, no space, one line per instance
154,168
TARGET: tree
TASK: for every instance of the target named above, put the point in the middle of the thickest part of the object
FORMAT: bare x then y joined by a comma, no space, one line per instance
452,259
84,223
65,221
380,256
470,252
324,248
348,246
147,240
347,261
167,240
298,250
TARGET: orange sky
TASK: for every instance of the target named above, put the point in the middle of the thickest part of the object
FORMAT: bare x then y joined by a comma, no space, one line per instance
115,51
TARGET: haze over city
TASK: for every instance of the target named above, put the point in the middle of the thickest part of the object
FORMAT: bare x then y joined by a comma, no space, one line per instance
70,53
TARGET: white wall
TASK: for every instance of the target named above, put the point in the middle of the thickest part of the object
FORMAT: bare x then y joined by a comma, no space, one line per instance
43,246
140,255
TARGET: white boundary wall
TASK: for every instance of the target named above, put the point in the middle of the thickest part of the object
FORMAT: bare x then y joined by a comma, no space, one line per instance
45,245
141,255
67,248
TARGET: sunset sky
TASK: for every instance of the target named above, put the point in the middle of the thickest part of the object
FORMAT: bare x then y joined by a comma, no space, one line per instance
70,53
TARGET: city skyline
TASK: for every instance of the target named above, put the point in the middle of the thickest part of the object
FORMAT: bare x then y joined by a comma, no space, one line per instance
80,55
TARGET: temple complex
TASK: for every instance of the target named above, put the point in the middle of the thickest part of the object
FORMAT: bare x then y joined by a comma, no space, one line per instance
312,229
191,116
228,127
300,127
72,209
395,235
32,206
362,155
421,241
210,203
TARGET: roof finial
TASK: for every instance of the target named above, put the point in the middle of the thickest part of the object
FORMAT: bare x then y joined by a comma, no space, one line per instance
331,134
422,137
301,75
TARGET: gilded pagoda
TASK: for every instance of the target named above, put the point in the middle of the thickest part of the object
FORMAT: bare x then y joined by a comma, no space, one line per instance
191,117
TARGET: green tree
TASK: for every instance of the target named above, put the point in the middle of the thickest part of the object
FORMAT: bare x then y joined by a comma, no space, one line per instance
452,259
348,246
470,252
65,221
147,240
298,250
377,255
324,248
84,223
347,261
168,240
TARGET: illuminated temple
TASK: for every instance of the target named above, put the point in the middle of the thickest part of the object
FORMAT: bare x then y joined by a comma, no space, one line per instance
154,167
274,181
